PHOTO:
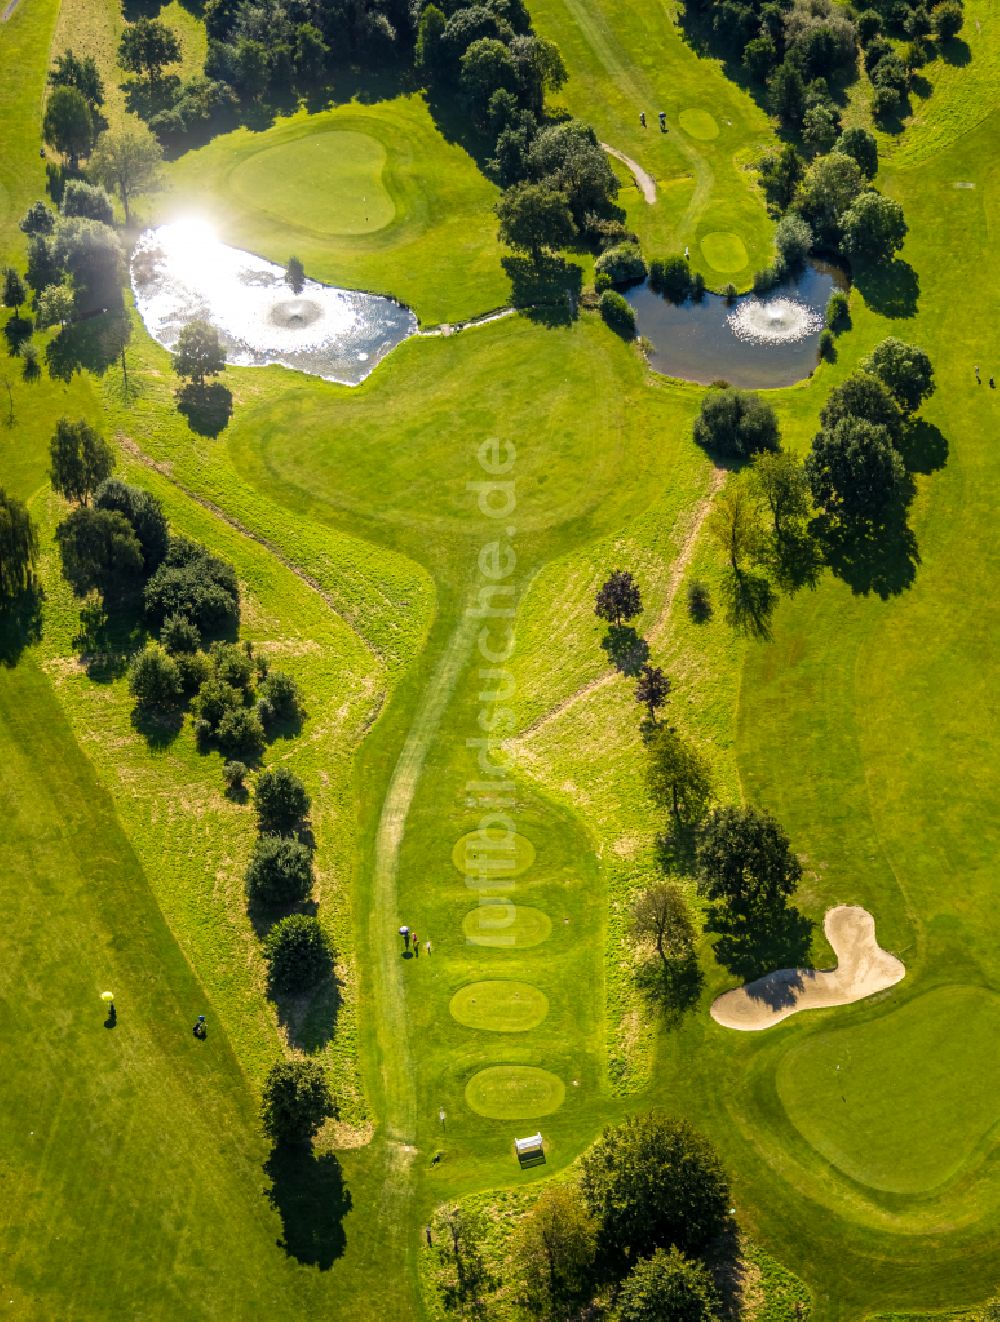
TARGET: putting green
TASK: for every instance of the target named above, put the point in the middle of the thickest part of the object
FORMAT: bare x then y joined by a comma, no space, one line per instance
492,853
500,1006
514,1092
901,1104
724,251
329,183
698,124
506,925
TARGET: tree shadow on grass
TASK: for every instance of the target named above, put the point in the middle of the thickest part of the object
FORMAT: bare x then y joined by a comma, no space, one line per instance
924,447
20,624
956,52
159,726
91,345
546,291
264,916
779,938
673,986
206,408
871,558
891,289
627,651
750,603
797,560
309,1194
17,332
310,1018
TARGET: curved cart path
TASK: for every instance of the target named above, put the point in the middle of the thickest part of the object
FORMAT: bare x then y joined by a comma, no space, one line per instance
645,181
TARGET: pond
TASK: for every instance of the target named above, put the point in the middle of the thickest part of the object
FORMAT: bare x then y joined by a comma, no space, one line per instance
753,342
181,272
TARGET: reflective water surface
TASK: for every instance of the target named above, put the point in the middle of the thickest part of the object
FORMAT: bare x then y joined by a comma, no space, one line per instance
181,272
751,342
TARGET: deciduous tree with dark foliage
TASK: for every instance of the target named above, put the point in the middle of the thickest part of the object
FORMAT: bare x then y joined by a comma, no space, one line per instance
854,471
154,679
199,353
68,125
660,914
80,459
534,217
652,689
147,46
298,953
297,1099
555,1248
905,370
281,800
618,598
279,872
677,776
745,861
653,1183
669,1287
735,423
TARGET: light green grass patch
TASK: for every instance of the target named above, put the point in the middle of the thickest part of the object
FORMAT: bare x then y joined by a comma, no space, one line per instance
698,124
329,181
514,1092
492,850
724,251
500,1006
506,925
855,1095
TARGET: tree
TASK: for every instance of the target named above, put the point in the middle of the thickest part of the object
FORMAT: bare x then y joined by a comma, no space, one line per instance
653,1182
569,158
234,773
854,471
279,697
780,175
55,305
556,1244
486,66
195,584
279,872
68,125
240,731
90,253
668,1287
38,219
735,423
905,370
99,549
126,161
671,277
660,914
947,19
70,71
745,861
652,689
87,200
296,1101
533,217
147,46
819,128
429,56
760,56
180,636
677,776
81,459
143,511
735,525
861,146
154,679
828,188
14,292
295,275
863,395
786,92
793,239
198,353
780,481
618,598
281,800
18,546
617,313
873,228
298,953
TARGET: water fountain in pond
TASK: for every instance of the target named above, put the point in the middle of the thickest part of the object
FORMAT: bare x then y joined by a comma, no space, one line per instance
181,272
750,342
774,321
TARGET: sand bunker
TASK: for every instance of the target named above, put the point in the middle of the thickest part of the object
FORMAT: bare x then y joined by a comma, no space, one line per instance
863,968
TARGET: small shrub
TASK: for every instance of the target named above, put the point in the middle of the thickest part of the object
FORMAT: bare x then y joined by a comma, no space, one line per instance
827,345
699,600
602,281
671,277
623,263
241,731
886,102
296,1101
214,700
30,369
838,314
279,697
234,775
736,423
765,280
730,292
281,800
617,313
279,872
195,668
298,954
153,678
180,635
232,665
793,239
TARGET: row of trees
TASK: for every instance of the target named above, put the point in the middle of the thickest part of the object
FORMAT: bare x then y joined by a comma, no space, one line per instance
628,1235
